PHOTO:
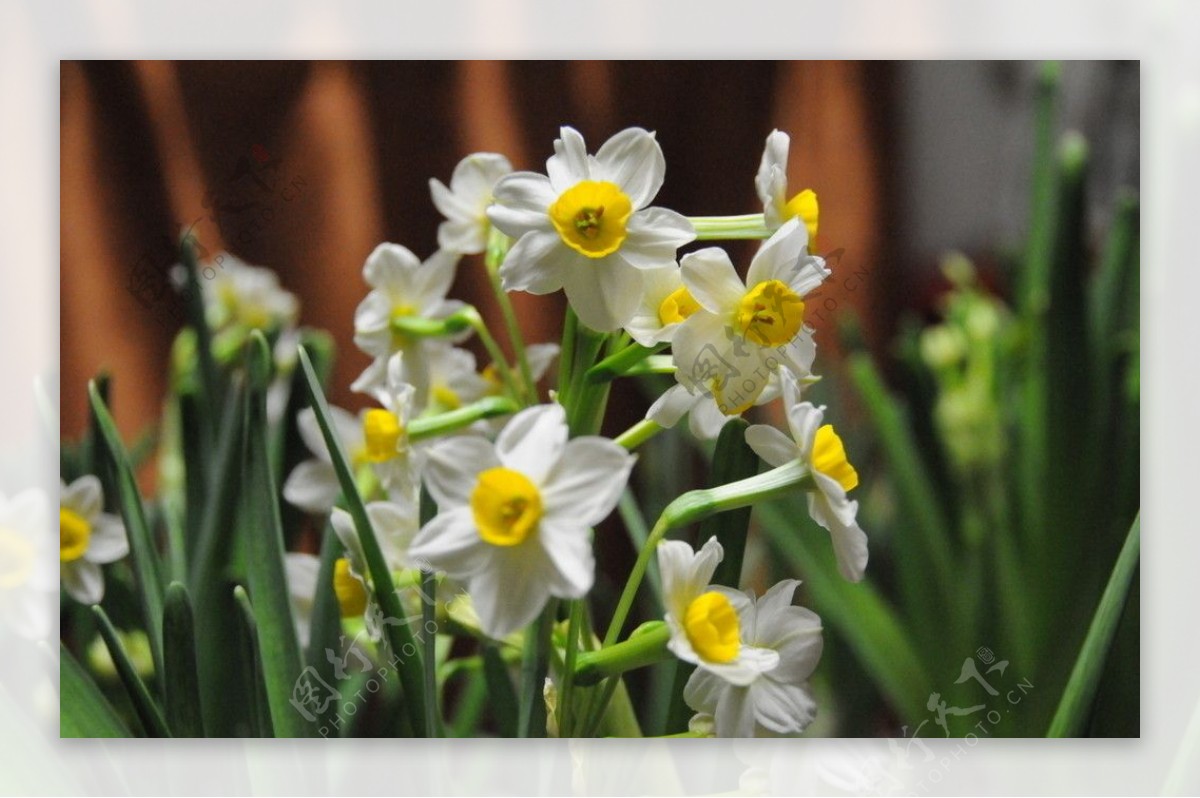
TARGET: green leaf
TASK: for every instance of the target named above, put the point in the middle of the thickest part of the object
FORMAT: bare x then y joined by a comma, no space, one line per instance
145,707
857,612
278,649
1076,702
732,460
535,661
325,622
256,688
181,682
210,380
141,542
614,366
502,697
83,709
397,632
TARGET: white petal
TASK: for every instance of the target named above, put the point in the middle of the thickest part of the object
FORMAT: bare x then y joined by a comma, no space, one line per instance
532,441
453,468
510,592
466,237
570,163
633,160
537,263
312,486
782,707
686,573
586,480
711,279
476,175
735,714
779,257
804,420
392,268
451,205
704,690
301,572
345,426
672,405
810,272
373,377
751,662
653,237
395,524
434,279
84,496
568,546
837,514
701,350
771,445
707,420
451,543
108,542
604,292
540,356
83,581
521,204
343,527
771,181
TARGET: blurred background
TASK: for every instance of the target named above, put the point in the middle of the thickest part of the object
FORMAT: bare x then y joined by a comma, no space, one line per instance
993,527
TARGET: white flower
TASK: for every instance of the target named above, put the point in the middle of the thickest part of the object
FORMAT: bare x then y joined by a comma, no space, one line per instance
514,517
237,294
453,380
385,431
706,413
401,286
313,484
586,227
744,332
771,184
778,701
705,629
665,305
465,202
88,538
822,450
28,586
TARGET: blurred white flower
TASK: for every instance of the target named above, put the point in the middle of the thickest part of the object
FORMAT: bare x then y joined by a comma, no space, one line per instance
465,202
772,185
88,538
313,484
705,629
237,294
28,585
585,226
454,380
385,432
514,517
778,700
822,450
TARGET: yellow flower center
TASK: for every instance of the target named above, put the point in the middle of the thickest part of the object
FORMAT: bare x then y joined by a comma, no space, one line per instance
349,589
74,533
829,457
16,559
492,375
381,431
770,314
805,206
591,216
723,401
678,305
712,627
506,506
445,397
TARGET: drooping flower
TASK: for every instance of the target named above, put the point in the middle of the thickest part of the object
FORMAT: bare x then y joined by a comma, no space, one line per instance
772,185
778,701
88,538
465,202
704,624
743,333
586,227
28,587
514,517
401,286
820,447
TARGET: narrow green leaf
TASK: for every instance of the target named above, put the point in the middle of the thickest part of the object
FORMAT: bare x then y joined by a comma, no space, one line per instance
471,702
83,709
433,713
614,366
141,542
502,698
1076,701
256,687
278,649
856,612
534,663
181,683
397,631
145,707
325,622
210,381
732,460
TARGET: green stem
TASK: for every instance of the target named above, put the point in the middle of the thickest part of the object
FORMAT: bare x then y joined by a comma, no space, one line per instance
620,363
638,434
575,620
534,663
646,646
432,426
497,250
722,228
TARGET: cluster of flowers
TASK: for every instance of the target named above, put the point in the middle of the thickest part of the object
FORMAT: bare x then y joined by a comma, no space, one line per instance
517,500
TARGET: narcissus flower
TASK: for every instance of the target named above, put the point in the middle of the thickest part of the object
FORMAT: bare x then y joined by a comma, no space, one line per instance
743,333
401,286
239,295
514,517
585,226
772,186
88,538
465,202
28,587
385,432
818,446
665,305
778,701
704,623
453,379
706,412
313,484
